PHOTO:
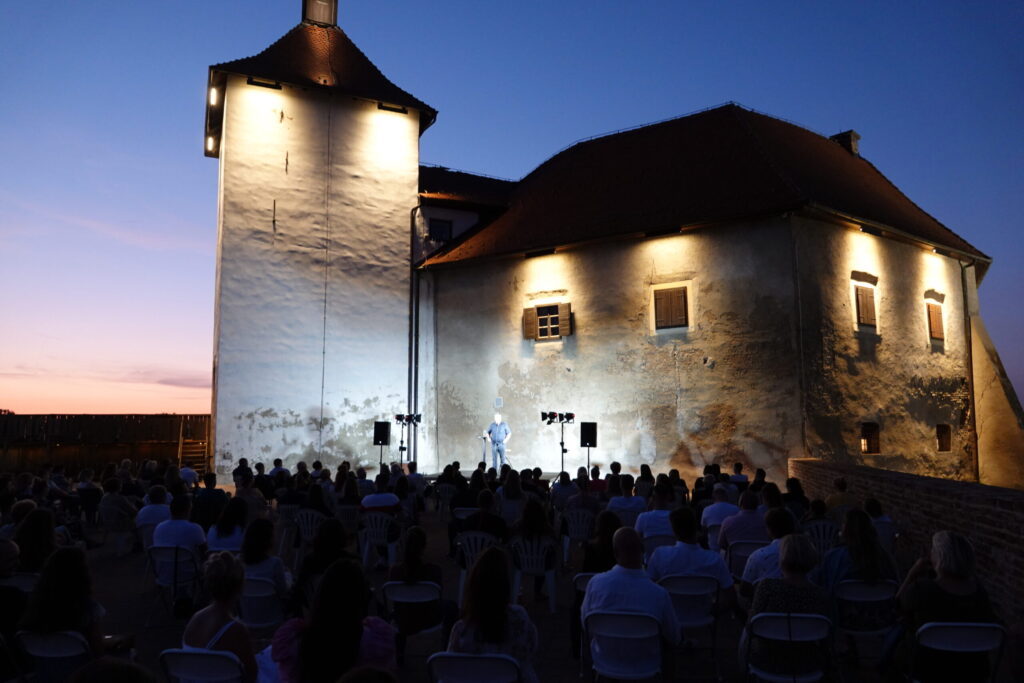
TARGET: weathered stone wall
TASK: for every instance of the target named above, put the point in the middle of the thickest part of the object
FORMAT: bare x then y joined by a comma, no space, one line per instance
723,389
991,517
313,273
892,374
1000,423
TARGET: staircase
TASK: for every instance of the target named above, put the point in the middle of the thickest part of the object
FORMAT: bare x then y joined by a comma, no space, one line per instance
192,453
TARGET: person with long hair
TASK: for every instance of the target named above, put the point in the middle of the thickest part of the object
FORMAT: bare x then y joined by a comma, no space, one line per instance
511,497
860,556
328,547
338,634
489,623
258,557
37,539
63,601
214,627
413,618
227,533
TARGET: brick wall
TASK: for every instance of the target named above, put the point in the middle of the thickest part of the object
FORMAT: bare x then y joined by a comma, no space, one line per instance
991,517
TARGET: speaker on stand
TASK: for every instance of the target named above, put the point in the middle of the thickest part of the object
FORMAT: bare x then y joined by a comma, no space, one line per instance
588,438
382,438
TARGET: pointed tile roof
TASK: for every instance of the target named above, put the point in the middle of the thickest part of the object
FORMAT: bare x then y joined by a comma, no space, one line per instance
723,164
311,55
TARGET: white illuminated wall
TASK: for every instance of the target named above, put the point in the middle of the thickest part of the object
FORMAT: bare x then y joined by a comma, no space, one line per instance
312,273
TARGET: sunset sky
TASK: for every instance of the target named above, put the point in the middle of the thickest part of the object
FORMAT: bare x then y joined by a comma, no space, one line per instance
108,206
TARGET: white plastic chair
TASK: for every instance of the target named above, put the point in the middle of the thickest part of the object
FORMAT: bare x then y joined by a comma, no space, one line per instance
398,593
954,636
624,645
453,667
212,666
579,526
469,546
55,655
737,554
712,533
307,523
175,569
791,628
348,515
823,534
260,607
530,558
287,529
695,599
377,527
652,543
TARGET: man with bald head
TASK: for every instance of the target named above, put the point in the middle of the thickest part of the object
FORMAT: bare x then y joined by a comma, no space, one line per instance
627,588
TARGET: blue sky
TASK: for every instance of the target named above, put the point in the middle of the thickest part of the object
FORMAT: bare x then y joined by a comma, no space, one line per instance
108,206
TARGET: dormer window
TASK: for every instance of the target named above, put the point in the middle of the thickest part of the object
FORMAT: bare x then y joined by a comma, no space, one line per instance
439,229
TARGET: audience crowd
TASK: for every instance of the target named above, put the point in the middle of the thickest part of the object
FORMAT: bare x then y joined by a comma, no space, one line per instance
280,573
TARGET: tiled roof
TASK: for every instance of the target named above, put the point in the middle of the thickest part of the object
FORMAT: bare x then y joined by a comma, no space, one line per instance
723,164
324,57
447,185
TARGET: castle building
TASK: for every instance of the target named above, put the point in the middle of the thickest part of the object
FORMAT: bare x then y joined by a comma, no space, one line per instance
721,286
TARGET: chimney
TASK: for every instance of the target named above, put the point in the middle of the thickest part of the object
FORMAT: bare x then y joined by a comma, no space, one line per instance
320,12
848,139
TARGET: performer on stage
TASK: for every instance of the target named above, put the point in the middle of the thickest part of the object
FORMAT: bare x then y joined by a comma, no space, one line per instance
498,434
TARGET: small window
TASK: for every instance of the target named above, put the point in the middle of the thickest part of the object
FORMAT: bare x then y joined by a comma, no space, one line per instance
869,438
549,321
439,229
935,321
944,438
865,305
670,308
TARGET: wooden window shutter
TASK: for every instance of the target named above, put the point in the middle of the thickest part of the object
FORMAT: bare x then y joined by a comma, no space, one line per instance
564,319
662,304
670,308
530,323
865,306
681,319
935,321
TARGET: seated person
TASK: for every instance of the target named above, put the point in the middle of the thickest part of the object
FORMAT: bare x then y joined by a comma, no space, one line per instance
338,635
720,509
792,593
413,618
860,556
484,519
246,490
258,558
763,563
584,499
746,525
227,533
490,623
687,557
383,500
625,504
156,511
655,522
214,627
116,511
178,531
208,502
36,538
627,588
943,587
328,547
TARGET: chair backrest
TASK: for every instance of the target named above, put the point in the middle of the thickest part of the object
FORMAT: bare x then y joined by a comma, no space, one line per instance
348,515
201,665
145,532
790,627
472,543
308,521
173,565
652,543
694,597
286,513
866,591
961,636
55,655
581,580
738,554
713,532
822,533
411,592
530,555
624,645
579,524
260,606
376,525
453,667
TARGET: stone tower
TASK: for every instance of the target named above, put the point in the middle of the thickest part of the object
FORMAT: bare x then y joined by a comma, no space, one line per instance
319,165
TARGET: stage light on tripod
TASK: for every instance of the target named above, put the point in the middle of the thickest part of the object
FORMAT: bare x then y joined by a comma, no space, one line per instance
416,418
568,417
399,419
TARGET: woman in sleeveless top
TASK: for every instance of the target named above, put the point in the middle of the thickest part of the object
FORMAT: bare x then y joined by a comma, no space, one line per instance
214,627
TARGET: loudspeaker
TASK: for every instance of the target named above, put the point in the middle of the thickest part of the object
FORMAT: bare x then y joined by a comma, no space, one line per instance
381,433
588,435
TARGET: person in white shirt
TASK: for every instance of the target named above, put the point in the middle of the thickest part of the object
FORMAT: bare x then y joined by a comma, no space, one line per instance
383,500
178,531
656,522
720,510
227,533
626,502
687,557
156,511
258,559
763,563
627,588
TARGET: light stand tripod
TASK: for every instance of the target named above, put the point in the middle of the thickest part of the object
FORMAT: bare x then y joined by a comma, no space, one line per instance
563,419
405,421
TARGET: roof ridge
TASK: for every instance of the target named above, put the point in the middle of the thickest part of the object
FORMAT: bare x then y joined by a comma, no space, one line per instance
769,159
